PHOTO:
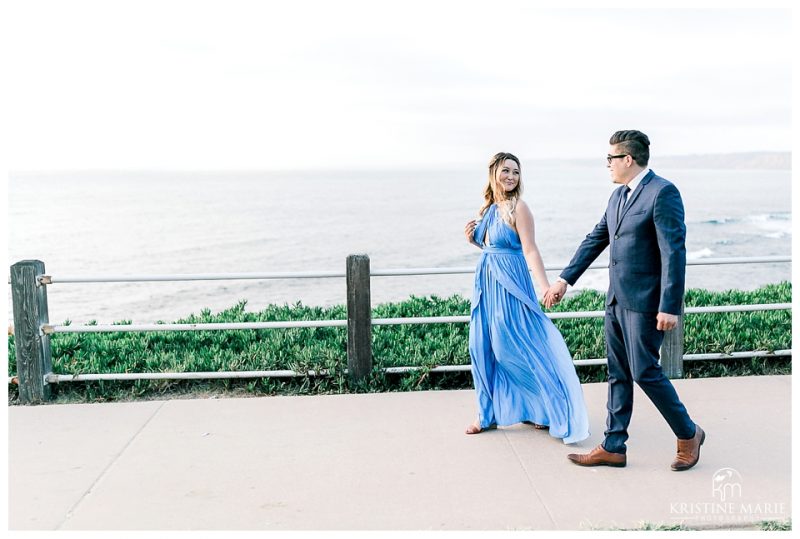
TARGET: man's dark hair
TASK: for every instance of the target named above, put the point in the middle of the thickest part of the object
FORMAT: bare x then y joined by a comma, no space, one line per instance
634,143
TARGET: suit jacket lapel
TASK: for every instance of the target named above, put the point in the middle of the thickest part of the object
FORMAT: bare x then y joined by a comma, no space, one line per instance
633,196
614,208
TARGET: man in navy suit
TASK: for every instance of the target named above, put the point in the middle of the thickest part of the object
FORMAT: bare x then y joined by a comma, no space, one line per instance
644,226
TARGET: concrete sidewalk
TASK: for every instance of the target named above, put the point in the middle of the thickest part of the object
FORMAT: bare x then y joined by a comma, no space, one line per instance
390,461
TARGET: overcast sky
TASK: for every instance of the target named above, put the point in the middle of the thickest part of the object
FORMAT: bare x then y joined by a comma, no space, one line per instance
302,84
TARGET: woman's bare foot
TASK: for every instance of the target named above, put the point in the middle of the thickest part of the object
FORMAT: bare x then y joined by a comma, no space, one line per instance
475,428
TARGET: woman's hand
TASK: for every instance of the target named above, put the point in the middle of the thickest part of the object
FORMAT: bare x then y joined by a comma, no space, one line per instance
469,231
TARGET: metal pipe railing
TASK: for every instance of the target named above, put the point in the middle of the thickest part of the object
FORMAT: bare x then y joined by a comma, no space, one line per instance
135,328
48,279
132,328
58,378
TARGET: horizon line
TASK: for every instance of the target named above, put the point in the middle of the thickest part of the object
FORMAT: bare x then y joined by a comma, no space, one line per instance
413,166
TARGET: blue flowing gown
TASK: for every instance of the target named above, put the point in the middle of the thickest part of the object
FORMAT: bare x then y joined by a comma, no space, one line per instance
521,366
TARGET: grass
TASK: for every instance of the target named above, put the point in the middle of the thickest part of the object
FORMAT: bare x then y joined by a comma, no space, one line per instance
764,525
775,525
425,346
649,526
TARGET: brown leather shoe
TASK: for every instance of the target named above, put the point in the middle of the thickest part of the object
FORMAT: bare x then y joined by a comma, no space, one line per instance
689,451
599,457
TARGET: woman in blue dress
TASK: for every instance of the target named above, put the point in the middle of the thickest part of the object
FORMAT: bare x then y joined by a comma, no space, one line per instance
521,367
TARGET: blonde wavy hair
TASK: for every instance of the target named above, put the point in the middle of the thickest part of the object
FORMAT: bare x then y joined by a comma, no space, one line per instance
494,193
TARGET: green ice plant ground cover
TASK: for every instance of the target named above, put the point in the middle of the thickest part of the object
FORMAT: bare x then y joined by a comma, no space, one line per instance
425,346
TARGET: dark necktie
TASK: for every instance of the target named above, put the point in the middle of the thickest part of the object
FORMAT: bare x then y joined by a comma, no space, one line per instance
622,200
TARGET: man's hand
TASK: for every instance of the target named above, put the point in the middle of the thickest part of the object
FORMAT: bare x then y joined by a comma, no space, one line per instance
666,321
554,294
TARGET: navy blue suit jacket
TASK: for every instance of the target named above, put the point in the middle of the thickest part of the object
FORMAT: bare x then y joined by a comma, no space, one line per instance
647,266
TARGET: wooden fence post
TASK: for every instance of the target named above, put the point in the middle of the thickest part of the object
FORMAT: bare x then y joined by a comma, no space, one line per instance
359,317
672,350
29,298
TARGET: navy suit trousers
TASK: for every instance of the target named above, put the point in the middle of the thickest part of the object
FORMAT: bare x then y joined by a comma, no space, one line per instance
633,343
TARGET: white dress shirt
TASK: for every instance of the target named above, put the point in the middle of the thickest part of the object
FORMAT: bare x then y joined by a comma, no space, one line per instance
634,183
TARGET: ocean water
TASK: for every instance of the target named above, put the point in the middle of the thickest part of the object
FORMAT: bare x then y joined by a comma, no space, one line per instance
155,223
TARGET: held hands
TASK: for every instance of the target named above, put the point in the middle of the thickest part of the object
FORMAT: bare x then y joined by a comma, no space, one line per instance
554,294
666,321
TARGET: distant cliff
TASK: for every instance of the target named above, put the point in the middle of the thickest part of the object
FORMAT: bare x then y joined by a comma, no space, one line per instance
739,160
749,160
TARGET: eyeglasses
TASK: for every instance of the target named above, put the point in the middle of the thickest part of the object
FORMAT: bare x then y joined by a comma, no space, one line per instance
610,157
